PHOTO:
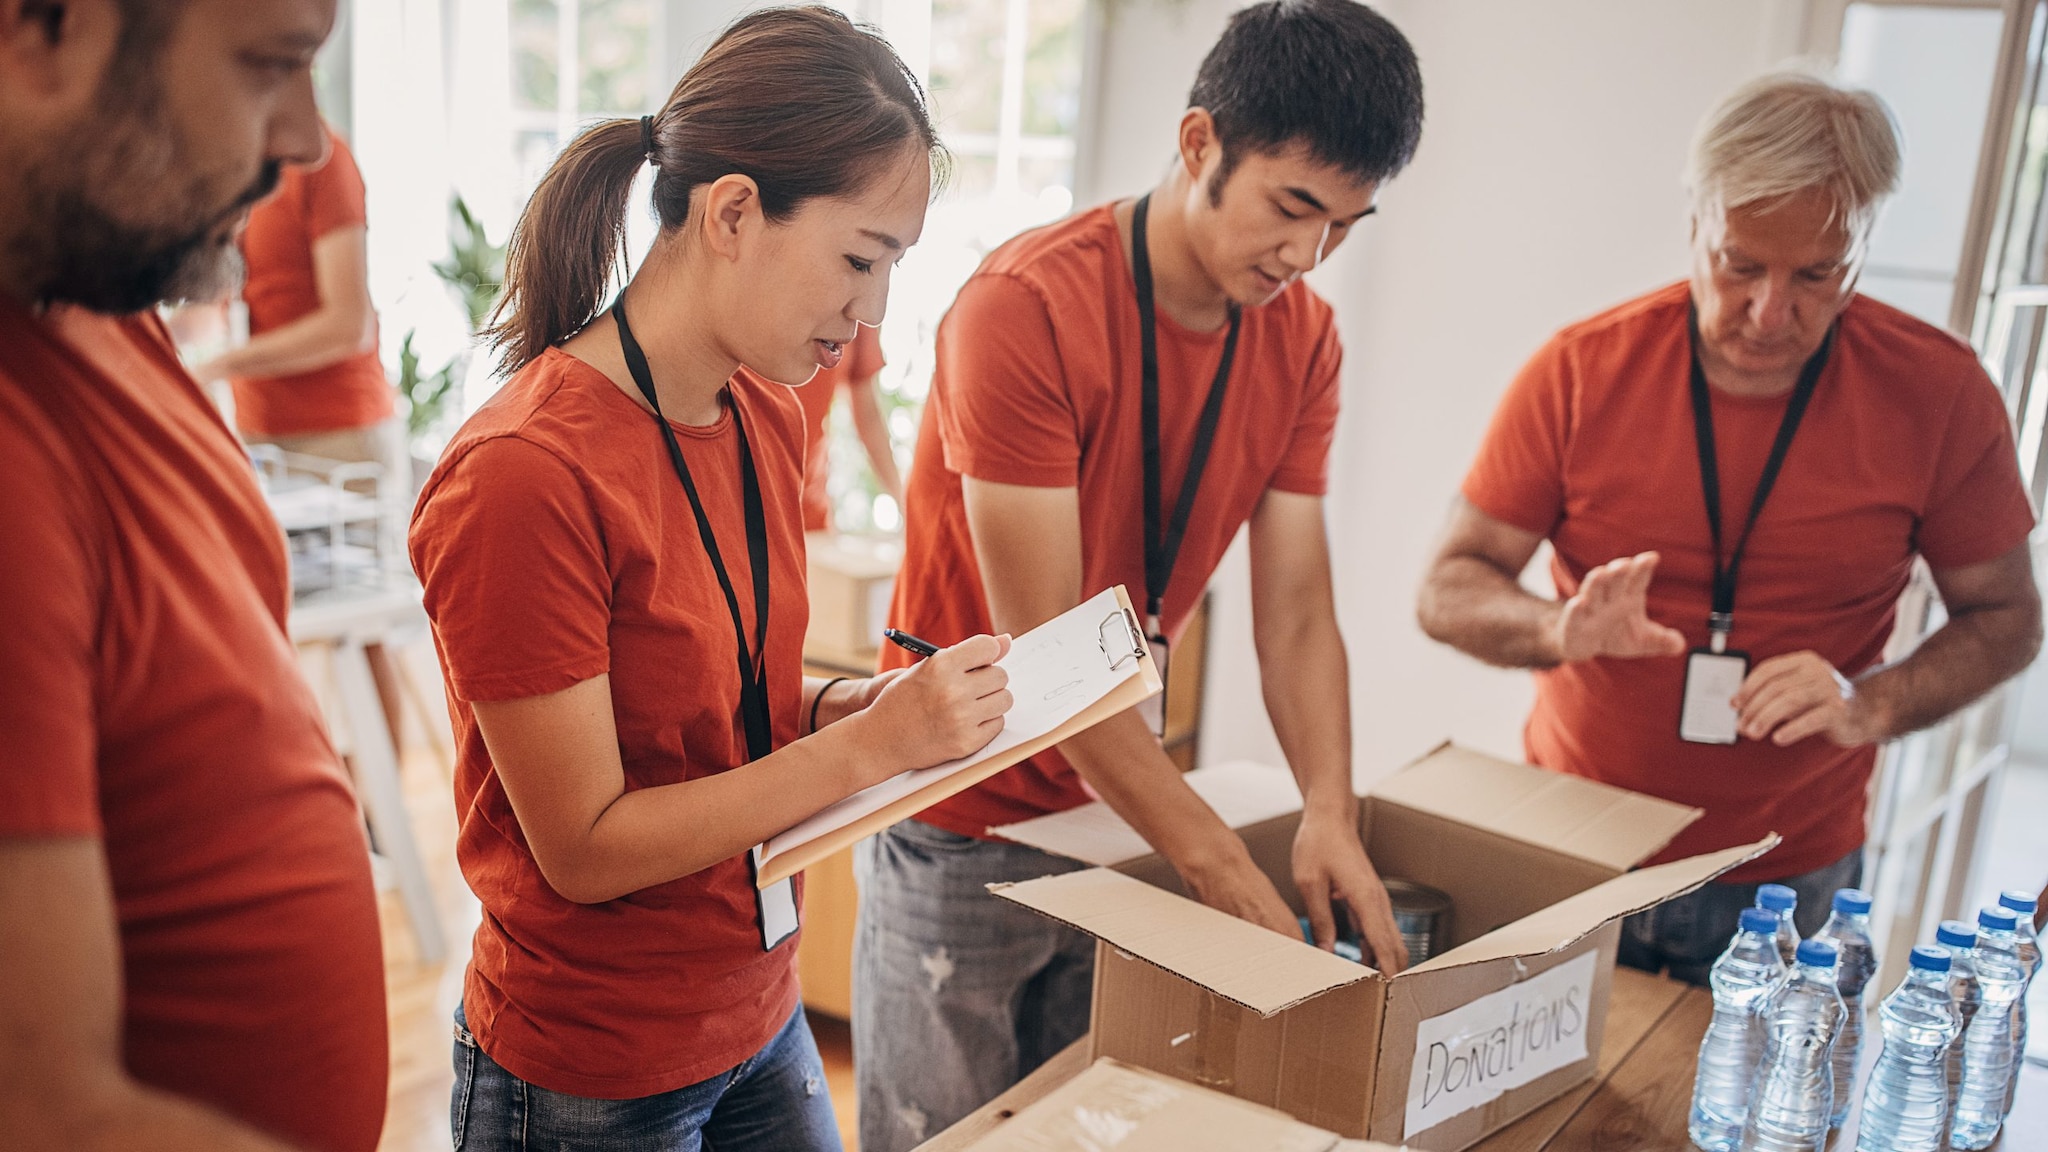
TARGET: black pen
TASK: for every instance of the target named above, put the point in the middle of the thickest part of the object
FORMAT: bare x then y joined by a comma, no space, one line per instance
911,644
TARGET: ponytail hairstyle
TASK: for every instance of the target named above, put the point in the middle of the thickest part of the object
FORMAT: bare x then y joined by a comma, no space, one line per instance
801,100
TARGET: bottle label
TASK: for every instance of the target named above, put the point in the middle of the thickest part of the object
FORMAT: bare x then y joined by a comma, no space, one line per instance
1486,1048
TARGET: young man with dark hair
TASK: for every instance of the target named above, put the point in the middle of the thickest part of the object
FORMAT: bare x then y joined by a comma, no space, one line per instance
1030,491
189,952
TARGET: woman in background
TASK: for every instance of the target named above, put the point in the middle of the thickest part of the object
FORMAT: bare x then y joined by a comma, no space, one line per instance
613,558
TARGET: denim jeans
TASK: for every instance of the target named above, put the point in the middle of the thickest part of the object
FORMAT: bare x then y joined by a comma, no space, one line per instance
774,1101
957,994
1684,937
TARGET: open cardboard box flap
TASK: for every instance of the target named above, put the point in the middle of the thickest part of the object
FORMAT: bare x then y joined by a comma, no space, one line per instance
1570,920
1239,961
1242,792
1595,822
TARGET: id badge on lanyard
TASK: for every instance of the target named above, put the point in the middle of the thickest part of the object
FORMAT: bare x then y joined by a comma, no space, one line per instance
775,905
1714,674
1712,678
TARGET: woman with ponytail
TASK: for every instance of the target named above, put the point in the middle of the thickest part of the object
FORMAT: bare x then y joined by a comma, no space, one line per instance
612,552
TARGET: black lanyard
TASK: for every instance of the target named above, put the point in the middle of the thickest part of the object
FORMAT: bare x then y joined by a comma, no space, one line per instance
1721,620
1162,549
753,665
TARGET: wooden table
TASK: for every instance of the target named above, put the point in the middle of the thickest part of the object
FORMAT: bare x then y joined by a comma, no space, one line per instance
1637,1100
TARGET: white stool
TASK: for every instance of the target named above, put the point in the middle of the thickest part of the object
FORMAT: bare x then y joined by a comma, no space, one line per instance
343,626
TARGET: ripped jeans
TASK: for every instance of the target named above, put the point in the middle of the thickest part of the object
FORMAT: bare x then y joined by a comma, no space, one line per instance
774,1101
956,994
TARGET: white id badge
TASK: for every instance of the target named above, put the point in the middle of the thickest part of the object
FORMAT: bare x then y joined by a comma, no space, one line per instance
777,906
1711,681
1154,707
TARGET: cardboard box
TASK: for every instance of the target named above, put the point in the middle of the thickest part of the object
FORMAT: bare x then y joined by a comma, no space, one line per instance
851,579
1113,1105
1511,1015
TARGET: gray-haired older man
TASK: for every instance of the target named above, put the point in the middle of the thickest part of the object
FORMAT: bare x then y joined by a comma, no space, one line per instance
1736,473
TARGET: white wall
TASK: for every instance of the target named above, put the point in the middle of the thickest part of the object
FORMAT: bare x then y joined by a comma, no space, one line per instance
1546,188
1934,67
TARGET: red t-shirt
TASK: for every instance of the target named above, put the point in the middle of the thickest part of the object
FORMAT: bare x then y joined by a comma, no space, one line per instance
278,247
1905,450
863,359
150,699
556,543
1037,383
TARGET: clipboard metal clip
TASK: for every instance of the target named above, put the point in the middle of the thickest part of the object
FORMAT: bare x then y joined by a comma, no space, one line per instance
1120,638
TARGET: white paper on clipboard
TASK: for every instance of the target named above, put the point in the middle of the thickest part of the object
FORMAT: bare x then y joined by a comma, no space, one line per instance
1068,674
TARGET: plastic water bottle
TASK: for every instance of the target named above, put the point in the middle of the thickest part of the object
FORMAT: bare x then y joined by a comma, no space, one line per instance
1905,1105
1987,1046
1960,939
1781,901
1848,929
1741,978
1792,1096
2022,905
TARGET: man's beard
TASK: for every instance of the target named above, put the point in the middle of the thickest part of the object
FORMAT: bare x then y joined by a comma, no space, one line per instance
95,260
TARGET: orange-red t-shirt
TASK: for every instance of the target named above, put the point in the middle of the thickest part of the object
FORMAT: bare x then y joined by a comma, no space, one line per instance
1905,450
150,699
1037,383
556,543
278,247
863,359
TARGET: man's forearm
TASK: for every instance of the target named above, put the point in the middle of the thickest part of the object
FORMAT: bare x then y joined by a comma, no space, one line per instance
874,436
1961,661
1122,761
125,1117
307,344
1305,679
1481,611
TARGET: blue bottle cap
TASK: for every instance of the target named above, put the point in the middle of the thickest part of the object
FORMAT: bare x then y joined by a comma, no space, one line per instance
1956,934
1852,902
1760,920
1925,959
1997,919
1777,898
1819,953
2017,900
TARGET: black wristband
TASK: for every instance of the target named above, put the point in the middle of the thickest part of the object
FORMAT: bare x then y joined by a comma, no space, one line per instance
820,698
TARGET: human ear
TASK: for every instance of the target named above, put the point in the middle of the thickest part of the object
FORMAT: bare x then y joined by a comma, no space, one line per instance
732,207
52,51
1198,141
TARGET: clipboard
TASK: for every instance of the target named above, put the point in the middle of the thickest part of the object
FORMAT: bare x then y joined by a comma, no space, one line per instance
1068,675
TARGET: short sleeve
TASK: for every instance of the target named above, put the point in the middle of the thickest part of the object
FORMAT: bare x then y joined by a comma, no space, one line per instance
1977,507
1004,413
511,556
49,593
1518,476
1305,469
864,359
335,198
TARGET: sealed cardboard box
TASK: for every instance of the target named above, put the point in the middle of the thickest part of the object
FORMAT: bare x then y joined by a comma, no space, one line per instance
1113,1105
850,580
1537,866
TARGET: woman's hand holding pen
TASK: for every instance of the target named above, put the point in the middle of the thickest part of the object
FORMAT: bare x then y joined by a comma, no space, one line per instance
941,708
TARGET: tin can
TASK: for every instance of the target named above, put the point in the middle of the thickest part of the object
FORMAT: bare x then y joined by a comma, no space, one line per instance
1423,916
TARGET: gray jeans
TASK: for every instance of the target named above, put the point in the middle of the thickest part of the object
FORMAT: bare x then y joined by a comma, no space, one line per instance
956,995
1683,937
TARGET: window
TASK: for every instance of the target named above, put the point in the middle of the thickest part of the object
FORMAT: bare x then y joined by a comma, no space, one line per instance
1005,80
574,61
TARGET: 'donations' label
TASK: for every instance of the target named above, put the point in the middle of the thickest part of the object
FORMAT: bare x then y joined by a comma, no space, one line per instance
1483,1050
